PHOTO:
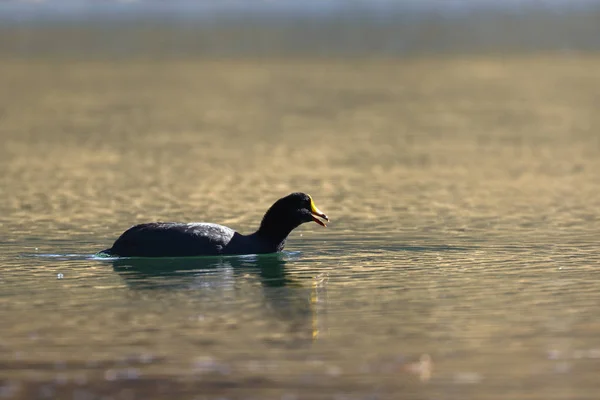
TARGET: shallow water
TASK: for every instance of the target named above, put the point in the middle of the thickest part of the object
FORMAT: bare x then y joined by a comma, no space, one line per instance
461,261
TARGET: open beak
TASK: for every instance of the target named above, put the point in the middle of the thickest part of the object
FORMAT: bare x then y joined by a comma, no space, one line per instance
317,213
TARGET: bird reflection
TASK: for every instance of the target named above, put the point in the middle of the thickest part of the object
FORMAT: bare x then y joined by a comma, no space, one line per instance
299,302
141,272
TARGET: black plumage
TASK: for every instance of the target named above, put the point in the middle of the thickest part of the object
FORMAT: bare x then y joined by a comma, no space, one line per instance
171,239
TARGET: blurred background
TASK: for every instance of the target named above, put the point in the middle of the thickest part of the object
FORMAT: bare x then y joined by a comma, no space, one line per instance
454,144
184,28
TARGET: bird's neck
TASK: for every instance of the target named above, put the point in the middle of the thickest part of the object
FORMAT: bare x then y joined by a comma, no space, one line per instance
274,232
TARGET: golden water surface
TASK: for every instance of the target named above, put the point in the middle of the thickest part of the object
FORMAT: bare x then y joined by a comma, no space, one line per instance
462,260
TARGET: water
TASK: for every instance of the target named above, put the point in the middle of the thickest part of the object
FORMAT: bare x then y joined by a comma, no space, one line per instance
461,261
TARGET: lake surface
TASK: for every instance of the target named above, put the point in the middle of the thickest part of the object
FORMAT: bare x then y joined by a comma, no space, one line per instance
462,260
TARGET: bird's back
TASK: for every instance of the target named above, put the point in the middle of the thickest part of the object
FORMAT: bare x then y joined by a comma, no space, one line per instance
160,239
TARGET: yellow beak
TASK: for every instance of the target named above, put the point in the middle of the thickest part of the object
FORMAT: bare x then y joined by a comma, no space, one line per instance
317,213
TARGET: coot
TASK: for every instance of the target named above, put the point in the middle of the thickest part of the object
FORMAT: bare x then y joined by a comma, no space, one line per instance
172,239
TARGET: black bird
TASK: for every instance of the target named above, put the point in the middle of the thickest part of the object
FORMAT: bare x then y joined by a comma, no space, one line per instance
172,239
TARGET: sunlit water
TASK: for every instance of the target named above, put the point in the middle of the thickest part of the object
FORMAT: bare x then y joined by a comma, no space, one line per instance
462,260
